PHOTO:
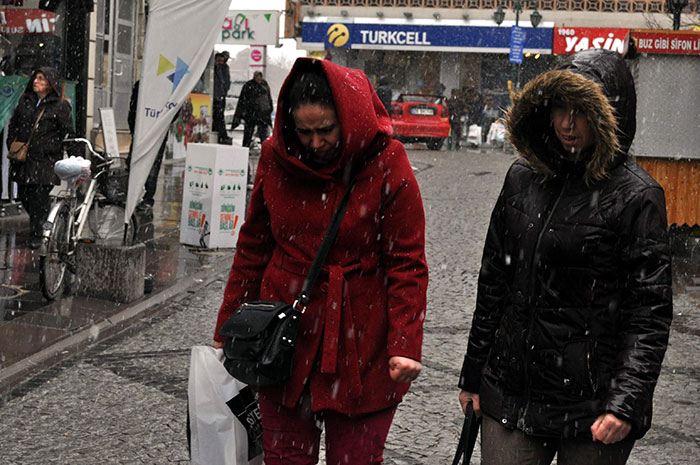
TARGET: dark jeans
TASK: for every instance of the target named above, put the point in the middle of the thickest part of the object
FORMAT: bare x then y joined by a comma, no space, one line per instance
249,128
35,199
503,446
456,127
218,124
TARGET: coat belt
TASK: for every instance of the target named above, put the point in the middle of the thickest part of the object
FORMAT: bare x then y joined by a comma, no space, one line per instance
337,307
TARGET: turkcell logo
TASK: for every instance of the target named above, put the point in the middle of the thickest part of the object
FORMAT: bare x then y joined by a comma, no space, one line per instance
338,36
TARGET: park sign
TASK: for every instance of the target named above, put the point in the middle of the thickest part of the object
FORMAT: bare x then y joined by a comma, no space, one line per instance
250,28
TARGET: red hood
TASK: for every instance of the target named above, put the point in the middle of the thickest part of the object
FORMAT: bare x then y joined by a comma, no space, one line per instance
365,124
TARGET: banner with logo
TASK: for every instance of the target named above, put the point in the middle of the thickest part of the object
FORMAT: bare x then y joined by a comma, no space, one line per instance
667,42
250,28
180,38
26,21
569,40
444,35
11,88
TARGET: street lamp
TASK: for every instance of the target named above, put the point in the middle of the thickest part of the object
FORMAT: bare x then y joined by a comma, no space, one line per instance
675,7
535,19
499,15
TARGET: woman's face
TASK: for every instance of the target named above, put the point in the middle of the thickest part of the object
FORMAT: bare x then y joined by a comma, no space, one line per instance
571,127
318,130
40,86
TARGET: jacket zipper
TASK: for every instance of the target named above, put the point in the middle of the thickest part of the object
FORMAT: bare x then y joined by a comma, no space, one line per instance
532,287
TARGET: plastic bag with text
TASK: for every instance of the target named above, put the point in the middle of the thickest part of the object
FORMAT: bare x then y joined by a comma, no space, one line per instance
474,135
224,417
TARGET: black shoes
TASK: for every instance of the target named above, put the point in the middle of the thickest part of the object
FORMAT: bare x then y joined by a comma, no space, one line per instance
225,140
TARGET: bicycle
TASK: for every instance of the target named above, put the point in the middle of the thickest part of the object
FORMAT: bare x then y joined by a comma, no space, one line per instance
80,201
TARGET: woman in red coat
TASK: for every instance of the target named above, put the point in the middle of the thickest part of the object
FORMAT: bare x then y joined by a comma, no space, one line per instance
360,339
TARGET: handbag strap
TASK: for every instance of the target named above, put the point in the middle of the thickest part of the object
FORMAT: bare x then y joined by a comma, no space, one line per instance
325,247
467,438
36,123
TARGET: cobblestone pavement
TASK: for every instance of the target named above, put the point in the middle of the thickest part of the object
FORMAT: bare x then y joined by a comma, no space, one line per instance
123,401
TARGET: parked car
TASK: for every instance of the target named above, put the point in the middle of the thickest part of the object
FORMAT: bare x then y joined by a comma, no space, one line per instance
421,118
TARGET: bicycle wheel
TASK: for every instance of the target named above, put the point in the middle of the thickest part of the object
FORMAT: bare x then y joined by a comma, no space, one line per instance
106,224
52,267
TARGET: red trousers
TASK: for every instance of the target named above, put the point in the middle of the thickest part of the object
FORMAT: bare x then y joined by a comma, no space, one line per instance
292,436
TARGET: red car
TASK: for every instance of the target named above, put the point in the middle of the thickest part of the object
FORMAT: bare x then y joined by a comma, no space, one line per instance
421,118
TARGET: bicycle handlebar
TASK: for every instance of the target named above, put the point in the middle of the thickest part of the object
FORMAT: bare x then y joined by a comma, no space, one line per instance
89,146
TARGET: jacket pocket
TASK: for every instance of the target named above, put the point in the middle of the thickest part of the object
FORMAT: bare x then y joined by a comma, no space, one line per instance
578,367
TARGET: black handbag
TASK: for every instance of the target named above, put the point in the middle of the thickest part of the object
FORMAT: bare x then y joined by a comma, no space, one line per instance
260,336
470,430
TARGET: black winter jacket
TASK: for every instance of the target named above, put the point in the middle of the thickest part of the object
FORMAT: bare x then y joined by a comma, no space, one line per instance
574,297
254,103
55,124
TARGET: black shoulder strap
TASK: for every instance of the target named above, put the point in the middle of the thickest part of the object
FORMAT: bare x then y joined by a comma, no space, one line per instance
326,244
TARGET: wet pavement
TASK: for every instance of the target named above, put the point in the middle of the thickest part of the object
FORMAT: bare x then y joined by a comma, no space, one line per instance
124,399
35,333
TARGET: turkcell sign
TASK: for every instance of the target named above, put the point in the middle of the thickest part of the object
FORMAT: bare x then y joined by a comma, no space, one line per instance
326,33
517,42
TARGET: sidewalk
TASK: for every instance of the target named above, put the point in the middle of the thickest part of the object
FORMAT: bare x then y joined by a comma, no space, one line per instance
36,334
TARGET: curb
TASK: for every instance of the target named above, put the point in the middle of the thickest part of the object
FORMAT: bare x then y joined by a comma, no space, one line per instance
19,372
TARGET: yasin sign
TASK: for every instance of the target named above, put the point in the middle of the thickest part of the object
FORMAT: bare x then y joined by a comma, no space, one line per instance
250,27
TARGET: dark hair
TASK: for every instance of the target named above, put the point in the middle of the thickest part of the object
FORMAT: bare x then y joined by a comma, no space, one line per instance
310,87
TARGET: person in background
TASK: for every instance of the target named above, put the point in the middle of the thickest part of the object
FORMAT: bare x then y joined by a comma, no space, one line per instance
458,109
35,177
385,93
476,106
360,338
489,114
222,83
255,108
574,300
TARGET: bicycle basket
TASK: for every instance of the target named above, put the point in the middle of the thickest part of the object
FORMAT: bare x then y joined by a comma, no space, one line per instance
113,185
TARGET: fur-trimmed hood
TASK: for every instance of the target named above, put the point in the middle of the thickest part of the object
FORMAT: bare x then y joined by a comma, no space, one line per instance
598,83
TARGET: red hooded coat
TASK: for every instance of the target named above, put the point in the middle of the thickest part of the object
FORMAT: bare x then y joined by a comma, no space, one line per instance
368,303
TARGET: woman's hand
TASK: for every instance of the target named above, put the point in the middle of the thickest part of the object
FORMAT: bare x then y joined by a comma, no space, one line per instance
218,345
403,369
609,429
466,397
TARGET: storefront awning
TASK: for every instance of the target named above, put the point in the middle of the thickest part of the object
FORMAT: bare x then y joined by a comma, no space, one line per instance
427,35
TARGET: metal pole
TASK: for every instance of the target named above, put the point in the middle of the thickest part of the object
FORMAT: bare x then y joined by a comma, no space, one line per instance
516,66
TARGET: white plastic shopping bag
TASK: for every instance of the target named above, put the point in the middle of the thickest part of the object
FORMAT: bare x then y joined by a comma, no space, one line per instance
474,135
497,133
224,415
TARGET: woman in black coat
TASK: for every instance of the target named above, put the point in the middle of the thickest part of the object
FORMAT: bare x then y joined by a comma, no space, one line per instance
35,177
574,297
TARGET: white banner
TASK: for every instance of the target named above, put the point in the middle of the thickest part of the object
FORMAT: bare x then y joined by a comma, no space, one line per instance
250,28
180,38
